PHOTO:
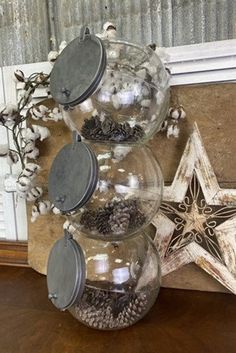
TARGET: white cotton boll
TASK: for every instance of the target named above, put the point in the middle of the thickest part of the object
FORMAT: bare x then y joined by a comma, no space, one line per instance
43,109
164,125
169,131
56,114
12,158
29,134
34,193
23,184
34,213
19,76
121,152
44,207
69,227
33,154
176,131
3,150
103,186
172,131
62,46
145,103
31,170
177,113
116,101
52,56
29,146
42,131
86,106
55,210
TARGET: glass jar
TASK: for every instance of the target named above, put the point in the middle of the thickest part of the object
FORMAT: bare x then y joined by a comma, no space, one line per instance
107,191
105,285
124,96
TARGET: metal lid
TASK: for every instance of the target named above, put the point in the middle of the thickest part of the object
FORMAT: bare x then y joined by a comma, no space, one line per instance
73,176
66,272
78,70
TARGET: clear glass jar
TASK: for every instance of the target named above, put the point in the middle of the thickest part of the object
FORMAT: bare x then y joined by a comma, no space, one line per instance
127,196
122,282
131,100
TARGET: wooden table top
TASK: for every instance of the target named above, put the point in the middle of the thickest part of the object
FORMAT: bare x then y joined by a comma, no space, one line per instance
180,322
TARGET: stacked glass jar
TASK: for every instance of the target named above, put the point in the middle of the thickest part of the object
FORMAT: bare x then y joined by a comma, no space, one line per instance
114,96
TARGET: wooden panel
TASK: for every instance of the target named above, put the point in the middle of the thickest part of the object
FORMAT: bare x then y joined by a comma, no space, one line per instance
14,253
203,104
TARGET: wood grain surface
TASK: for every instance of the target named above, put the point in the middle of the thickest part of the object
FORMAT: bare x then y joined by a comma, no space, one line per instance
213,107
180,322
14,253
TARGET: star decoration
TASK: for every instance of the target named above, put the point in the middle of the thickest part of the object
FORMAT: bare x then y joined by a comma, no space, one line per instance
197,219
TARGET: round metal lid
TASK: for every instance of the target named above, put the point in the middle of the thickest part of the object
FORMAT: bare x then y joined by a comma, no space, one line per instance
73,177
66,273
78,70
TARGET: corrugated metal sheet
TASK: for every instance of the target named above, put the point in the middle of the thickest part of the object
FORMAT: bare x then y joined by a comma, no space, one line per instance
25,33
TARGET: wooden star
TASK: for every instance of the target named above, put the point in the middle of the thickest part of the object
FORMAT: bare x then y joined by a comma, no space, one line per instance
197,219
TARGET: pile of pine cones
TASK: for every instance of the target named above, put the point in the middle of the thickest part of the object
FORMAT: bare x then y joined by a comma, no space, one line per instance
116,217
109,310
109,130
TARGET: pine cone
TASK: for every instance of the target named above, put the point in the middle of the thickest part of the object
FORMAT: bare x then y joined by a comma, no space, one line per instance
119,219
88,219
101,220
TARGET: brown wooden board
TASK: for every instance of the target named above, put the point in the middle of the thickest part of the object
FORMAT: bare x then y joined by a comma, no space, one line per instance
213,108
179,322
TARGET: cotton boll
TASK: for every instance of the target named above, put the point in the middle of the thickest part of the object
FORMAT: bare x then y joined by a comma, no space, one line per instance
34,194
34,213
55,210
29,146
120,152
86,106
164,125
172,131
12,158
44,207
116,101
177,113
52,56
19,76
31,170
56,114
23,184
32,154
42,131
29,134
69,227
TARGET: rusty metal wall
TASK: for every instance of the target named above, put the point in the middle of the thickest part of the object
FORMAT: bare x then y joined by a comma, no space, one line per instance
28,28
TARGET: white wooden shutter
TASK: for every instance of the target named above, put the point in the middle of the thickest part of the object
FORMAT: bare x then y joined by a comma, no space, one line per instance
14,216
7,211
